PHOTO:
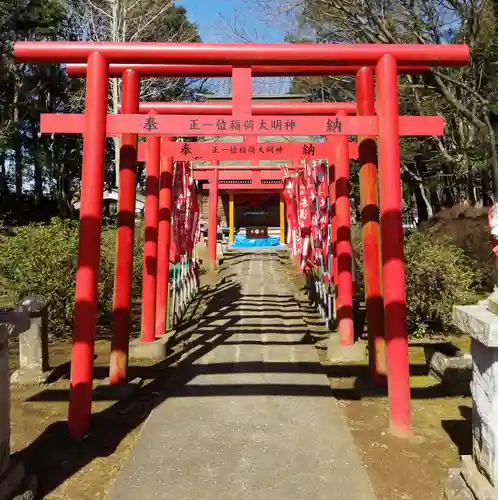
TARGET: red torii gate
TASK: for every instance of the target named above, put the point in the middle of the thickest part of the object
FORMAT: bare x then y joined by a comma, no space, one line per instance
217,151
142,70
387,59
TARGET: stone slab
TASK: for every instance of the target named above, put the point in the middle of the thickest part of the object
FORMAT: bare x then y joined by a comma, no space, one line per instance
30,377
477,321
492,302
448,358
451,366
33,345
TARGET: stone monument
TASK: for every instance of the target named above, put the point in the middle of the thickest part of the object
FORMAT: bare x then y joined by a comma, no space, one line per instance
33,344
14,484
478,476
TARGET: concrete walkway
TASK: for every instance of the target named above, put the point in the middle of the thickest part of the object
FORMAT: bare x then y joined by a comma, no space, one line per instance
249,413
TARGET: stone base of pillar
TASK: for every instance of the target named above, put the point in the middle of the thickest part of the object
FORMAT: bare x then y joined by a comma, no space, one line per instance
455,488
493,302
221,249
106,391
477,321
25,376
337,353
153,351
482,325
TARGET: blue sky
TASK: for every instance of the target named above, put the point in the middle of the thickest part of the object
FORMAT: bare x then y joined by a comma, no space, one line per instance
214,18
209,14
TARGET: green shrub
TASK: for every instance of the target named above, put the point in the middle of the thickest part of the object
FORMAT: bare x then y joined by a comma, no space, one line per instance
438,275
41,259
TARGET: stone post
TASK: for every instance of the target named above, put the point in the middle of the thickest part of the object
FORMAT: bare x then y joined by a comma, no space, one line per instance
13,479
4,399
33,344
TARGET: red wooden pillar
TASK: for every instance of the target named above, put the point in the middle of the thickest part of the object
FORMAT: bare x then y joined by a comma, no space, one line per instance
151,221
393,272
344,250
369,207
333,218
87,273
164,238
213,217
124,235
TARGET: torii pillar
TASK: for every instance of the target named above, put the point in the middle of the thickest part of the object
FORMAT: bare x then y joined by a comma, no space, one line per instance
213,217
231,216
282,219
164,238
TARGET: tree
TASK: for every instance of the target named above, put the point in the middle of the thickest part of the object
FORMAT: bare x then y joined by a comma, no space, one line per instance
138,20
25,91
40,173
463,164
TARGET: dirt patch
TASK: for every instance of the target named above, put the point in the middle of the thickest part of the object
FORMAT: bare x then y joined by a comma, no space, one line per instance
412,468
85,469
67,469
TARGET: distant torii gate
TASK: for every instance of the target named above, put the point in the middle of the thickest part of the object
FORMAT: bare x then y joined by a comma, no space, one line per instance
216,151
387,125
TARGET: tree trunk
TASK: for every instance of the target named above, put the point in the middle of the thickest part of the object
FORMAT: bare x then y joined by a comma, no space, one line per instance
38,172
448,194
19,166
117,140
493,157
4,187
486,189
424,208
63,192
471,189
435,201
66,210
17,140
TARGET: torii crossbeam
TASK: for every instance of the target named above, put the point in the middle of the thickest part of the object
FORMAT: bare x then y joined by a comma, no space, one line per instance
219,125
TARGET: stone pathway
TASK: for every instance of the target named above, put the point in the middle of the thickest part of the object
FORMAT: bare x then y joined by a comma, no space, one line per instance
248,413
